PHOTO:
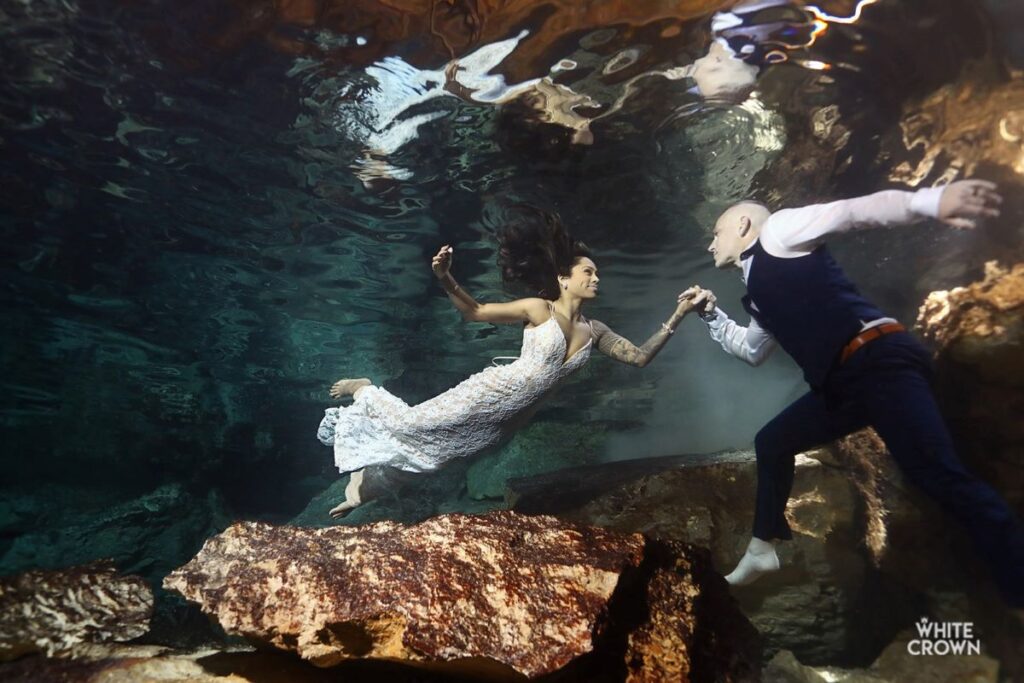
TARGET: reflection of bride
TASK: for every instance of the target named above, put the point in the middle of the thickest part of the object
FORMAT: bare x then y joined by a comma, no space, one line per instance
383,441
376,115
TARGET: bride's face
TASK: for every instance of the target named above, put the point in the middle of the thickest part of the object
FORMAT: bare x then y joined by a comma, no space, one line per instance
583,279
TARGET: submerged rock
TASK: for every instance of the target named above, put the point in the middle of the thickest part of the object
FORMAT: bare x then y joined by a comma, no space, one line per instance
981,325
692,629
869,555
130,664
818,605
978,332
54,611
521,593
538,447
500,595
894,665
148,535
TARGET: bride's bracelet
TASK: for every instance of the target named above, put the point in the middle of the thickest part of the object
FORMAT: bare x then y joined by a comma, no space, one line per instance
667,328
455,285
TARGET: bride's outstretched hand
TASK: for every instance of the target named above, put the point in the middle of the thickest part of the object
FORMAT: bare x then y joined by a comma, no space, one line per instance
442,262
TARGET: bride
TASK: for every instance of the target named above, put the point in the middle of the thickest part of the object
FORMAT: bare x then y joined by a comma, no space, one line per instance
382,441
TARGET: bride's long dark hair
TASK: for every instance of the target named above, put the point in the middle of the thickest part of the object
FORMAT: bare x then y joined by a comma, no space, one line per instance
534,248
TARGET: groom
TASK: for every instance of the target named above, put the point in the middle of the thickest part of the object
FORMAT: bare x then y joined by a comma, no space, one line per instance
863,367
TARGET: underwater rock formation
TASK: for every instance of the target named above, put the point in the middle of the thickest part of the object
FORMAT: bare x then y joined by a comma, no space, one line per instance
981,324
978,331
453,587
55,611
148,535
110,663
529,453
692,629
869,555
498,595
892,666
813,606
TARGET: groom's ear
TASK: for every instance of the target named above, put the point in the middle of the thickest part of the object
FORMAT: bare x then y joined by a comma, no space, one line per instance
744,226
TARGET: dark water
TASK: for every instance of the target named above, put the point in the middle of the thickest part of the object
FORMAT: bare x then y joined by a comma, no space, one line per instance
212,210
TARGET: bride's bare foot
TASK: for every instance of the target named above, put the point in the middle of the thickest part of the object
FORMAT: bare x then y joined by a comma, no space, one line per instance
341,511
348,387
352,500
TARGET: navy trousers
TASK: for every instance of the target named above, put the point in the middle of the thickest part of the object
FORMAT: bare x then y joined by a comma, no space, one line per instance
885,385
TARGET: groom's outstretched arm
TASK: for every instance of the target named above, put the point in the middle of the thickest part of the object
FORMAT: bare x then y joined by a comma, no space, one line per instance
794,232
751,344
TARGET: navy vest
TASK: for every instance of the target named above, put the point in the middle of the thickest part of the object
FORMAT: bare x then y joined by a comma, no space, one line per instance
808,305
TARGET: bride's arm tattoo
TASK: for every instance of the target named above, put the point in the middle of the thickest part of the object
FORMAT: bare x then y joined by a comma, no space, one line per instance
621,349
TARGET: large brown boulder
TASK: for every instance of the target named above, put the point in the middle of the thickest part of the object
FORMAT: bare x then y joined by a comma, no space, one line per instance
500,595
54,611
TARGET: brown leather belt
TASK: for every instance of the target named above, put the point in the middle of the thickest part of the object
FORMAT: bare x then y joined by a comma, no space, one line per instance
868,335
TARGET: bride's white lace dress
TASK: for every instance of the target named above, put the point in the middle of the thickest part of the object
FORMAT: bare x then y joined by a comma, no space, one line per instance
381,429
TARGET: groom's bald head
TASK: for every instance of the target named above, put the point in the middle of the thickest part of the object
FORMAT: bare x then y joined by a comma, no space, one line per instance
735,230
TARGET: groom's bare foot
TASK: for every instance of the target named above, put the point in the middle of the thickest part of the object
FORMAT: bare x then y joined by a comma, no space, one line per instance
348,387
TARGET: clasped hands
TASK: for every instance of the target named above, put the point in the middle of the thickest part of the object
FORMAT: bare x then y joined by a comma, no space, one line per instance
696,297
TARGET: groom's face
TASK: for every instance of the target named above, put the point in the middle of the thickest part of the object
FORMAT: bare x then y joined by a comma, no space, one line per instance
726,242
735,230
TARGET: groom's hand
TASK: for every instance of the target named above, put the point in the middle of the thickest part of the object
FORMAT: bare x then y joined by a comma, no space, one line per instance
696,298
965,201
705,304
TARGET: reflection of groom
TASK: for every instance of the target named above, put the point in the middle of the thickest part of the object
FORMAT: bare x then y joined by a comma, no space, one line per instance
863,368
